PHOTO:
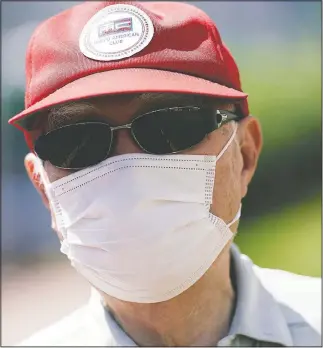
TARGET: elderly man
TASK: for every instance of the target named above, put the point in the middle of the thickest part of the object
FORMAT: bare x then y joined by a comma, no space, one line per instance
142,148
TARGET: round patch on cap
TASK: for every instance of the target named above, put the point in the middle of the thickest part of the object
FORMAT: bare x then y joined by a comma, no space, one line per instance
116,32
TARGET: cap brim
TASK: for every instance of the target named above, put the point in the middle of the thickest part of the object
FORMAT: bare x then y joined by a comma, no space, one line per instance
126,81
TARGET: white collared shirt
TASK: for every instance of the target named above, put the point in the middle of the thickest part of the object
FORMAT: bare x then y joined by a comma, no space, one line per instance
273,308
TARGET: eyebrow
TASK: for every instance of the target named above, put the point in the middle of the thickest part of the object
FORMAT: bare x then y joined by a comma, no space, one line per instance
86,110
72,113
79,111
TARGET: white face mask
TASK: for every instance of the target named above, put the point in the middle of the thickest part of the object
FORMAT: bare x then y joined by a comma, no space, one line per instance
138,226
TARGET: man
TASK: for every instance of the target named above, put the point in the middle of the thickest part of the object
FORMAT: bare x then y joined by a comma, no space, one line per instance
142,148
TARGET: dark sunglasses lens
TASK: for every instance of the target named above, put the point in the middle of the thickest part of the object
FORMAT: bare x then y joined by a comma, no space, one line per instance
169,131
75,146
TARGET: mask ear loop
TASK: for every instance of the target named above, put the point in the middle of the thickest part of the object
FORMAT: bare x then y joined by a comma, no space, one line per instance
211,174
52,202
237,217
229,142
40,170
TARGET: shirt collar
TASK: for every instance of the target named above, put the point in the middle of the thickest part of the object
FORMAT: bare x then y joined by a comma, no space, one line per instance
103,325
257,314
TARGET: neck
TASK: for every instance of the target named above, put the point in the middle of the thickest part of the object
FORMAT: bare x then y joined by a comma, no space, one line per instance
200,316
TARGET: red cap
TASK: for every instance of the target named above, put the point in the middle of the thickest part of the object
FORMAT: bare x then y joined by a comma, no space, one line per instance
113,47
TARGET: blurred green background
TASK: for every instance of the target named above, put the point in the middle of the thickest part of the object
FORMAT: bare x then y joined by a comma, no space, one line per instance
278,48
285,94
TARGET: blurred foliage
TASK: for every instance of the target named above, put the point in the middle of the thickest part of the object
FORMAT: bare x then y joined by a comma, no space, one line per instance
290,239
285,92
14,147
281,225
285,95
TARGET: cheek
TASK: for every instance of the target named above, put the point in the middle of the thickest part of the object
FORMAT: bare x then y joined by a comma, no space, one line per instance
226,192
211,145
55,173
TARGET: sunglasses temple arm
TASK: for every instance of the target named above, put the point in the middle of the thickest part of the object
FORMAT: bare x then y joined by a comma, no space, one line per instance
231,117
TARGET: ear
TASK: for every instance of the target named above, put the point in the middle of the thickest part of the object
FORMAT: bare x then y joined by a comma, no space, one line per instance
32,167
250,139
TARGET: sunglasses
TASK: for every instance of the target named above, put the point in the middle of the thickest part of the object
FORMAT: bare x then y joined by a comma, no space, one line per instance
159,132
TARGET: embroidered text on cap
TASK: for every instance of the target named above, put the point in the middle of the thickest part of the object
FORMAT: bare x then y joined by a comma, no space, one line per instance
116,32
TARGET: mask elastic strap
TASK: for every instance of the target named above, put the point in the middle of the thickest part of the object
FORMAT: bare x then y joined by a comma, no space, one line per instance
236,218
52,202
39,167
229,142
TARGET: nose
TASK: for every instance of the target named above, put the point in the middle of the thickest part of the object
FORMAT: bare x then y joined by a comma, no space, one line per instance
123,143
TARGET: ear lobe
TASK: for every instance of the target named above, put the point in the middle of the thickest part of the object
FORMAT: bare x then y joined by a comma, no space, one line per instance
31,163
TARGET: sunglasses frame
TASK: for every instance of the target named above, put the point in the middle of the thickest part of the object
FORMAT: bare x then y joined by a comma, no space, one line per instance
226,117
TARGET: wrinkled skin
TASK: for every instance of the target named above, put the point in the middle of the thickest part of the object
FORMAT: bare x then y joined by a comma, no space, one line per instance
201,315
